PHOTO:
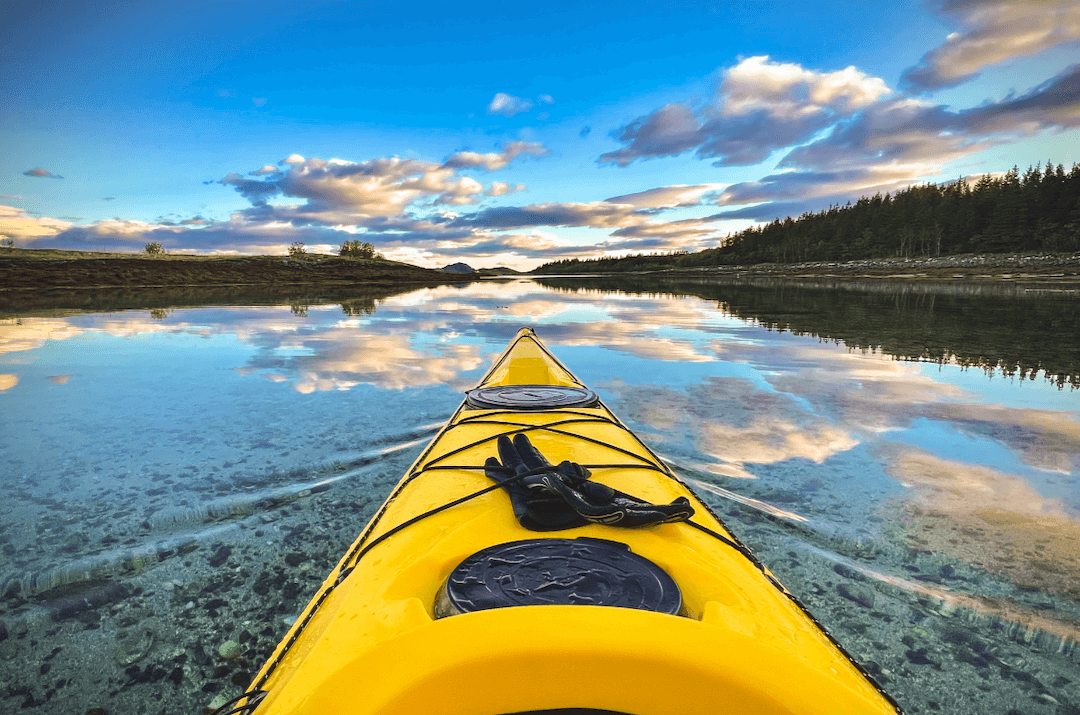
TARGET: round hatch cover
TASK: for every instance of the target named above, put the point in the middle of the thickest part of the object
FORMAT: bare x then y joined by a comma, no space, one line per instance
530,397
582,571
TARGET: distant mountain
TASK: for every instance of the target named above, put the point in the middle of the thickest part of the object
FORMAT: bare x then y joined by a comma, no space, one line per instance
499,271
459,268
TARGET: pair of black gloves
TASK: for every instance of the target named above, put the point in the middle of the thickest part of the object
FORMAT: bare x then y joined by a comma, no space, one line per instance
550,498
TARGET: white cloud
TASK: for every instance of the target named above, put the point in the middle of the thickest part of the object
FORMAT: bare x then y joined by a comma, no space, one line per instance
790,91
534,240
292,159
508,105
266,169
500,188
495,160
344,192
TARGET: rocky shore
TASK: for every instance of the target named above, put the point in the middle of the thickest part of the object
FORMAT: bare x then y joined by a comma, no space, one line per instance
1044,267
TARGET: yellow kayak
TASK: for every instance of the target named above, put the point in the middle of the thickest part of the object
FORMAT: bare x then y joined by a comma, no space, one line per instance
494,582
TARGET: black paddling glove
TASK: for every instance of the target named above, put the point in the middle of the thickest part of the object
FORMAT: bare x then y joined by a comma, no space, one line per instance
550,498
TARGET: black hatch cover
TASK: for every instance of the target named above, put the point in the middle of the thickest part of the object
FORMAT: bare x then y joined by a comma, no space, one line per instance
582,571
530,397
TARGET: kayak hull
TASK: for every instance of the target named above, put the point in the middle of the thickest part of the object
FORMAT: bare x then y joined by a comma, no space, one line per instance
370,642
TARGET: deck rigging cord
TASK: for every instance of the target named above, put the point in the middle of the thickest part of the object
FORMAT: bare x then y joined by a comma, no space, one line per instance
363,546
535,491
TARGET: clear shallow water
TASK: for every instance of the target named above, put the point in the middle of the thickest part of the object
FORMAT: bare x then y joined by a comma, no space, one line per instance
173,480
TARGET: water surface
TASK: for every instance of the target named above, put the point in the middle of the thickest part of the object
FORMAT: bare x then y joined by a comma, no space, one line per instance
176,476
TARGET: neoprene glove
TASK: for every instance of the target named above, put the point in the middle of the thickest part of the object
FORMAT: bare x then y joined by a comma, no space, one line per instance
552,498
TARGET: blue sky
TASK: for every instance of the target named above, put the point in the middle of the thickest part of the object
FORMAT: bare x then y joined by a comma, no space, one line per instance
505,134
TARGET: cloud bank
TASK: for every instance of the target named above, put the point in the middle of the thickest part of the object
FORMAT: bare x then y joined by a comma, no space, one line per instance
991,32
759,107
16,224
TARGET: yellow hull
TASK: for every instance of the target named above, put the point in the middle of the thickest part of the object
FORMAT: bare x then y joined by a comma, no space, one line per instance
369,642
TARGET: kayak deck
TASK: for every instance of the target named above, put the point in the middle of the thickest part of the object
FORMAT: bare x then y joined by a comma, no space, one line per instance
370,642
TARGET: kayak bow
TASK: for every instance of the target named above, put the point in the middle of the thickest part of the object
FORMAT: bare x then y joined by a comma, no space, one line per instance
448,603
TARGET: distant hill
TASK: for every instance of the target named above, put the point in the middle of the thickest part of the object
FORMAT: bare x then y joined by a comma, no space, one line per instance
466,268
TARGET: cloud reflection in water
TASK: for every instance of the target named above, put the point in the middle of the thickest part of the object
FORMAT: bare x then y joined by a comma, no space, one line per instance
989,519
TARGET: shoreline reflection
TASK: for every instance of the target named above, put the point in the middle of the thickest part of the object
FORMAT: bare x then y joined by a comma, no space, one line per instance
1018,330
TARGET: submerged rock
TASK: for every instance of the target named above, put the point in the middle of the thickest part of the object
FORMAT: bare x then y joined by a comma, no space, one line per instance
863,597
79,599
134,648
220,556
229,650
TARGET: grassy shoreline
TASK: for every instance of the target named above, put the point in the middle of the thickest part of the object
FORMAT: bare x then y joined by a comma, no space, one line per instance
37,270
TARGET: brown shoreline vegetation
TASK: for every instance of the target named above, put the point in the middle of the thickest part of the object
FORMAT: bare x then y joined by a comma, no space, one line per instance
46,269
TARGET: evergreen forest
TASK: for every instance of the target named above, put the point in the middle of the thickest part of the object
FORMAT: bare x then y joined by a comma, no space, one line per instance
1037,211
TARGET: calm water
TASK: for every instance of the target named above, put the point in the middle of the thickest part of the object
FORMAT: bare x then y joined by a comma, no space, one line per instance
905,458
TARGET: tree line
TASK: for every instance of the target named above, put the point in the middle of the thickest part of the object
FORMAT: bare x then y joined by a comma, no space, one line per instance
1038,210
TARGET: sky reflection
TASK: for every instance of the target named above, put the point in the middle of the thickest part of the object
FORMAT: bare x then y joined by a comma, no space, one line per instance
935,453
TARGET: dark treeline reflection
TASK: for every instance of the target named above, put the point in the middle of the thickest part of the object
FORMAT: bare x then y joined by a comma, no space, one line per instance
160,301
1019,331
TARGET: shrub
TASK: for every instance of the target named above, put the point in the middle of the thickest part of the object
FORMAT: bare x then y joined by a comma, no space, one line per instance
355,249
154,249
297,250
